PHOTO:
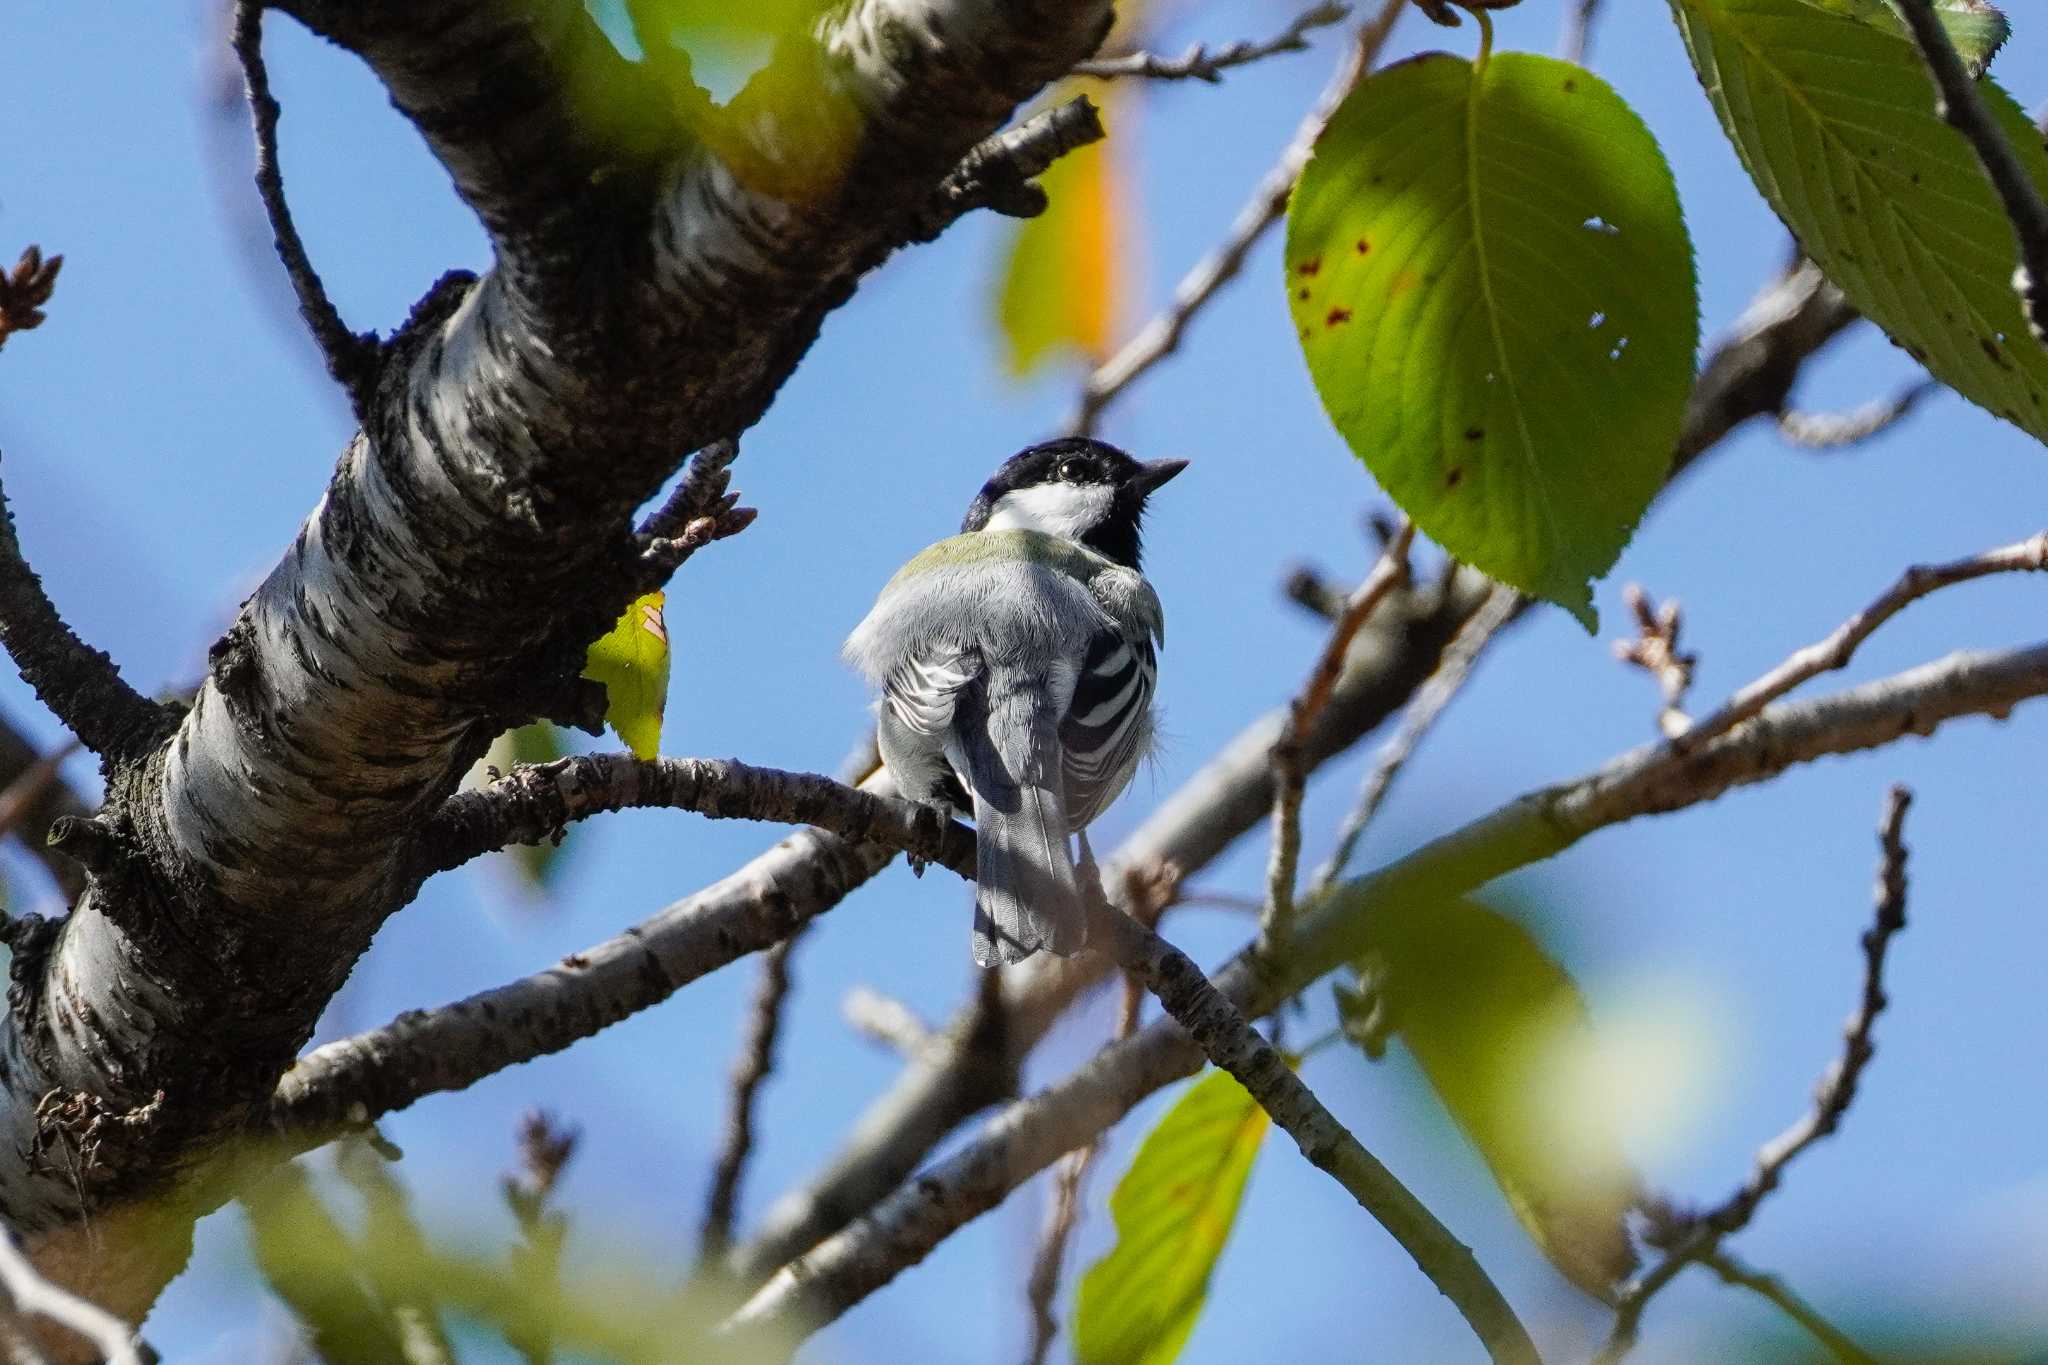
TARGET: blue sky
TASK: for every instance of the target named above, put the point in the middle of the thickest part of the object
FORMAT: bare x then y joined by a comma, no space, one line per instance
168,428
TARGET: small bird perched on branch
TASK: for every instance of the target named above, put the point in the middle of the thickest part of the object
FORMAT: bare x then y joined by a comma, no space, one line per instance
1017,662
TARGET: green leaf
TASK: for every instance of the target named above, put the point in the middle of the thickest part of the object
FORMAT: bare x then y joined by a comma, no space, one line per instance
1834,119
535,743
1173,1210
1494,289
1062,281
1499,1030
631,660
1977,29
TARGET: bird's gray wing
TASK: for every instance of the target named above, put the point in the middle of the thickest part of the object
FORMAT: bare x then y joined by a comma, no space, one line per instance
1108,723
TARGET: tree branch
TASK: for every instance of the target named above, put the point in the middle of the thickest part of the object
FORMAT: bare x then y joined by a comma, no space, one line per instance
1836,430
1958,104
1022,1139
353,1081
1290,770
1687,1237
351,357
1232,1044
533,803
756,1060
2029,556
1198,63
81,686
1774,1291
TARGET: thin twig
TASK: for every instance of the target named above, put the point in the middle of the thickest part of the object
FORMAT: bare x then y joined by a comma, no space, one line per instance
27,1293
1838,430
1687,1237
79,684
1779,1294
756,1060
1198,63
1578,31
1419,717
700,509
1290,766
1655,650
1064,1210
1158,338
351,357
1835,651
545,1147
886,1020
1958,103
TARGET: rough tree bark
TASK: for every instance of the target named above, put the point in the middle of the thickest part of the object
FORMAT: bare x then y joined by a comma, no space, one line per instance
648,296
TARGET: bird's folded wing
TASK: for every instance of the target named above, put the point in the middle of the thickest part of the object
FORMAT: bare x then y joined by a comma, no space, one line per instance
925,688
1108,723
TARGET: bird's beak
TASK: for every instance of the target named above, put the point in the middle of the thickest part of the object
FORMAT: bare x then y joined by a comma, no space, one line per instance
1156,472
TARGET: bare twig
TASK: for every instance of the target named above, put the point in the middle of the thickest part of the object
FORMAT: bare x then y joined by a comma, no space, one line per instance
1063,1211
352,357
24,291
1686,1237
1417,719
1290,767
699,510
1835,651
886,1020
1776,1292
1158,338
544,1149
531,803
1655,650
1199,63
1958,103
1578,30
1836,430
31,788
756,1060
27,1294
79,684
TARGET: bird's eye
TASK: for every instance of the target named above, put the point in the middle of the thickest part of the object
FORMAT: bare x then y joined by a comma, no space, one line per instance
1074,471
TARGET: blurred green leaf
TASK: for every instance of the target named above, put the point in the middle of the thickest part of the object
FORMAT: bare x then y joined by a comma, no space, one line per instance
1062,283
1492,284
1834,119
1497,1026
632,662
539,742
1173,1209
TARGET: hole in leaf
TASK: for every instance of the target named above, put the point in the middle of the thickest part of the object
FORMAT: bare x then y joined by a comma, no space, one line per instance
1619,347
1593,323
1599,224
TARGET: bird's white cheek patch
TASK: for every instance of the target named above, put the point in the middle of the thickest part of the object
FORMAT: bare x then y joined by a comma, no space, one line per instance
1067,510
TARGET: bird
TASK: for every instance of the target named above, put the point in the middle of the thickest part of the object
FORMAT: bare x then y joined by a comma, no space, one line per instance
1016,663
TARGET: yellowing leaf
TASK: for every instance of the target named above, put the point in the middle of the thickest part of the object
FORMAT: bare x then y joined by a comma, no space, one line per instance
1062,286
1499,1030
1834,119
1494,291
1173,1210
631,660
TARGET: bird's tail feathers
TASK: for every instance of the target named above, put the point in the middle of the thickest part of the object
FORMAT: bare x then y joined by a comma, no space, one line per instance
1027,895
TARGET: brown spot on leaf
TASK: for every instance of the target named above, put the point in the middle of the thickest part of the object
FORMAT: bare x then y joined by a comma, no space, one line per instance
1309,267
1336,316
1454,476
1301,293
1363,246
1475,433
1570,85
